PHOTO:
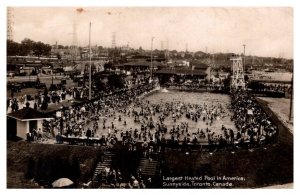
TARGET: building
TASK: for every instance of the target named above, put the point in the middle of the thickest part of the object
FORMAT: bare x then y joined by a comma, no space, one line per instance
23,121
191,70
198,65
137,66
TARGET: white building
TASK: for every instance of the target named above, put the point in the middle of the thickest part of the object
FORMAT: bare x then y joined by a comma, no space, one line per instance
23,121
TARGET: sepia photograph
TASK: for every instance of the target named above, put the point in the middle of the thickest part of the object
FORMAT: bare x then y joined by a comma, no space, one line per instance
105,97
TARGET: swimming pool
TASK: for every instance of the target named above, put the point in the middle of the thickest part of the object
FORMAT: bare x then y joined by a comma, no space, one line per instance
210,102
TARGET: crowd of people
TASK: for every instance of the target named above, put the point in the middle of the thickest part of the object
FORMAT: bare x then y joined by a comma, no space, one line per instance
253,124
153,125
128,118
277,88
194,86
124,115
74,120
42,98
266,87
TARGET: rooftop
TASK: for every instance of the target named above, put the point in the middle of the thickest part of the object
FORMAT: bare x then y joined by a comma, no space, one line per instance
140,63
181,71
26,114
198,64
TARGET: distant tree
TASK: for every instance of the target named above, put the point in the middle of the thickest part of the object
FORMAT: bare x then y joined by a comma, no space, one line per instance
47,49
13,48
40,48
26,46
60,47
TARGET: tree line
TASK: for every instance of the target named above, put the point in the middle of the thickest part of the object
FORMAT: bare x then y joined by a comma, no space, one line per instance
27,47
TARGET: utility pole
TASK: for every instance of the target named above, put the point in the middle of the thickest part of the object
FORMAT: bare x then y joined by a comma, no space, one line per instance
244,57
90,69
151,71
75,40
167,50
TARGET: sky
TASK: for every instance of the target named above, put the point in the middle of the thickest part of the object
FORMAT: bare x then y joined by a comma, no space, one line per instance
266,31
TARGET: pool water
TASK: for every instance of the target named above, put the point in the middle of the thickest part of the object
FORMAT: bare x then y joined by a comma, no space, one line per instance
214,102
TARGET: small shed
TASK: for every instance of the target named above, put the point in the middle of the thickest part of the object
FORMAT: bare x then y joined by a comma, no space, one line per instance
23,121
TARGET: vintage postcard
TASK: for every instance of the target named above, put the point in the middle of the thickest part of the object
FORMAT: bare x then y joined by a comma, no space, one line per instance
149,97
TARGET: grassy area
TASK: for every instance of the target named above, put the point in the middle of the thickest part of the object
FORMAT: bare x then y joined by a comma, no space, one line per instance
25,160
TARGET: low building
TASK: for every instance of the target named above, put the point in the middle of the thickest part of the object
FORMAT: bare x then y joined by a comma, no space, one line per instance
195,70
186,73
138,66
23,121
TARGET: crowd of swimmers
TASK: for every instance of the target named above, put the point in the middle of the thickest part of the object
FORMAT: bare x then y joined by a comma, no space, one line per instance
151,121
